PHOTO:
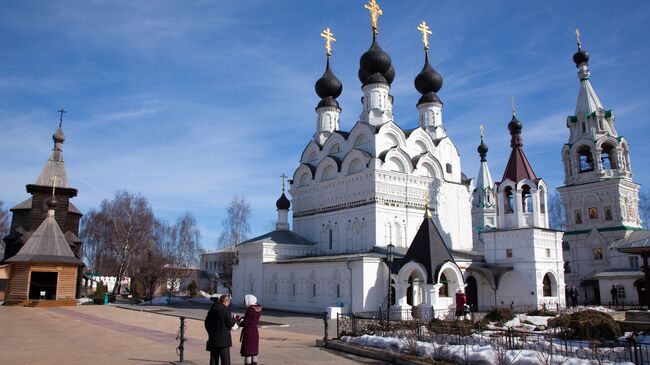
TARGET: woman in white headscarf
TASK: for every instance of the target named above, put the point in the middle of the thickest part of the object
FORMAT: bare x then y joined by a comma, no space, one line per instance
250,337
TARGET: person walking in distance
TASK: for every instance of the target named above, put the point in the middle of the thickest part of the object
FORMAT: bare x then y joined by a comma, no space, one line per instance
614,293
574,296
461,300
250,337
218,323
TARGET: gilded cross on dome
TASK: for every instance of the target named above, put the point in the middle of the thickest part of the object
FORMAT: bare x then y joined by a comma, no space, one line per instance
283,176
481,127
426,31
514,111
375,12
578,36
329,38
54,179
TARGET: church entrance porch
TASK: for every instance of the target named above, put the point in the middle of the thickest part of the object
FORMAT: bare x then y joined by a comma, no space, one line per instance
640,289
471,290
42,285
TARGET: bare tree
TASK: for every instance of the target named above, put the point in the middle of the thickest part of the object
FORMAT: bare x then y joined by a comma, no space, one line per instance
117,233
556,213
4,226
644,208
235,226
235,230
182,248
149,273
227,259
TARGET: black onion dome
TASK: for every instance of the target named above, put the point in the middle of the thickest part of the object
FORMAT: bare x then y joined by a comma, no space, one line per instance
428,80
390,75
328,85
52,202
580,57
515,125
376,66
482,148
283,203
58,136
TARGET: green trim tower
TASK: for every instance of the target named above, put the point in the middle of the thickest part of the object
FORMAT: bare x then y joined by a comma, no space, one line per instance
600,199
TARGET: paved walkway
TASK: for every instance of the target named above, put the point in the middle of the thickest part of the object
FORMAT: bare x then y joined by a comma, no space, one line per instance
110,335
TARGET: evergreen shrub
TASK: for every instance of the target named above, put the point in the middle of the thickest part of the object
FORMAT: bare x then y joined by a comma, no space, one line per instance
586,325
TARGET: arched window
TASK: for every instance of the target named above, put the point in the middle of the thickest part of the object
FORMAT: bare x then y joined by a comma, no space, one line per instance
526,199
542,200
328,122
338,290
398,235
293,289
508,200
330,239
313,290
448,168
546,283
444,289
608,157
585,159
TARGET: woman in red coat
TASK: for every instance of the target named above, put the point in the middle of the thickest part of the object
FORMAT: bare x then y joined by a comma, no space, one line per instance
250,336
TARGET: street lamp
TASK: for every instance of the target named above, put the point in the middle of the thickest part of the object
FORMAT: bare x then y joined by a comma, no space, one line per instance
390,256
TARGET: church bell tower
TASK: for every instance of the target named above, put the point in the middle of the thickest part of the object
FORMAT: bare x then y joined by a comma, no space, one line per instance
600,198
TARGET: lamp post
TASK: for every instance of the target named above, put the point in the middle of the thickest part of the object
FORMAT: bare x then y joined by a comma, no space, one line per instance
390,255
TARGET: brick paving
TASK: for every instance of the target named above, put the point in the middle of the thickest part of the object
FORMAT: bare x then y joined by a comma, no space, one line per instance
109,335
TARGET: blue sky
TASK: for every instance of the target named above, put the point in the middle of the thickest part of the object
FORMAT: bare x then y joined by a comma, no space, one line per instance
192,102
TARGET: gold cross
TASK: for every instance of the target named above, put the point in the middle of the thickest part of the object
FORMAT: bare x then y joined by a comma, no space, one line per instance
375,12
54,179
283,176
514,111
424,28
329,38
481,127
578,36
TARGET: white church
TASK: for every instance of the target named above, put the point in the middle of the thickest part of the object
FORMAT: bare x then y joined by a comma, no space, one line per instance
381,188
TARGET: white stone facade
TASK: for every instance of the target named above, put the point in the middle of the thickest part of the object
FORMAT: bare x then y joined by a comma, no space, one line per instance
359,191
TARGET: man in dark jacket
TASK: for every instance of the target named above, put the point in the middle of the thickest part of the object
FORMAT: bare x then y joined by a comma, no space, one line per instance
218,323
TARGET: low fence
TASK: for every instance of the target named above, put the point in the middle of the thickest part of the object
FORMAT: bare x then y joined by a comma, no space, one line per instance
419,327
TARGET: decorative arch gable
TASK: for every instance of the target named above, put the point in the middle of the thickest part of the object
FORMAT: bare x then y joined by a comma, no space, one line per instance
303,175
354,160
408,269
419,141
428,165
391,133
327,169
332,141
312,147
396,159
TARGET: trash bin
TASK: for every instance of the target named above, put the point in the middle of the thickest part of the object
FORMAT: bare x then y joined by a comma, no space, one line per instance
105,298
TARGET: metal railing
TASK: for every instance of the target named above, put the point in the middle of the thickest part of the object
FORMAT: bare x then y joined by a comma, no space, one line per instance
409,327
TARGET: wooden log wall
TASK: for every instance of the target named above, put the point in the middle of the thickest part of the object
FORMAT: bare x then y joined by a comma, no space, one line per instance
18,290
